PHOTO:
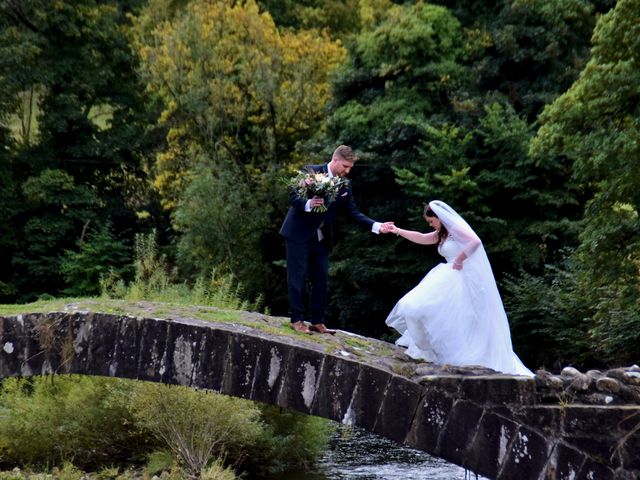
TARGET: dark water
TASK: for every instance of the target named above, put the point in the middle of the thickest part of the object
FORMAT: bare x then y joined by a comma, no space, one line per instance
358,455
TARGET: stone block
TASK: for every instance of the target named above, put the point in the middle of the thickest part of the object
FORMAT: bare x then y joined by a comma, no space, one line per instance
598,448
527,456
632,378
595,471
608,385
269,373
103,338
71,334
53,338
544,418
498,389
629,394
124,363
367,398
336,388
38,347
431,416
585,420
548,384
569,372
564,463
622,474
13,345
181,351
301,375
243,357
446,383
580,382
489,447
212,360
81,326
459,430
598,430
398,408
627,445
152,361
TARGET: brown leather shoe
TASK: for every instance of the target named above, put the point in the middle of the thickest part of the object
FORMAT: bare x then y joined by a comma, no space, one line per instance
320,328
300,326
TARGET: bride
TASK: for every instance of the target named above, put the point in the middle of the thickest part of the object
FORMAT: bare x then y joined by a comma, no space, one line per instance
455,314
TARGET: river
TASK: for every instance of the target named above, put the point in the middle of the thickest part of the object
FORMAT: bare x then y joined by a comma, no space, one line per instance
355,454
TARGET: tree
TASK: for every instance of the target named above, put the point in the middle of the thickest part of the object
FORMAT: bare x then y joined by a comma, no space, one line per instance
529,51
414,103
77,108
100,255
596,126
55,208
238,96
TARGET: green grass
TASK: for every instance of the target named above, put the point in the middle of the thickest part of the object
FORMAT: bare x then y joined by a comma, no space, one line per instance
122,307
41,306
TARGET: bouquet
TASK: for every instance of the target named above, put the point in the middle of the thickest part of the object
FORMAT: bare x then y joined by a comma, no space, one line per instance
309,184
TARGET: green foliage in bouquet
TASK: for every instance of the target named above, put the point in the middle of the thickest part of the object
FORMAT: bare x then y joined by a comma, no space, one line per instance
310,184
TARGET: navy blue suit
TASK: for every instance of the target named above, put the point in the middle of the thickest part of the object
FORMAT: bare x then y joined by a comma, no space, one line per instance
307,256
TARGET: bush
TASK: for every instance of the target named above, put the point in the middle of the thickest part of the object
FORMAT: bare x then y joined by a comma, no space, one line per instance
158,461
101,253
98,422
196,426
46,421
217,471
290,440
550,317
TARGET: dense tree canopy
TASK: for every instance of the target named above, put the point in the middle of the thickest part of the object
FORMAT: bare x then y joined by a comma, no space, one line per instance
238,96
596,126
187,116
78,121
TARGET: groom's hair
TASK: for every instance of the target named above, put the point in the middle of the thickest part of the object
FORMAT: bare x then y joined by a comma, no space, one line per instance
346,153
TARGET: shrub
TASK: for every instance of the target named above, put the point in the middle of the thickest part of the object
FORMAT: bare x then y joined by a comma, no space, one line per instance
158,461
216,471
49,420
196,426
290,440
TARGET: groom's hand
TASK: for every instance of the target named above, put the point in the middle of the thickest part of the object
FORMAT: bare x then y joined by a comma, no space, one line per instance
316,201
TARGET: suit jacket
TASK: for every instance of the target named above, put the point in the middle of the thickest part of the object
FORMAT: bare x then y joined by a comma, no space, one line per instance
300,226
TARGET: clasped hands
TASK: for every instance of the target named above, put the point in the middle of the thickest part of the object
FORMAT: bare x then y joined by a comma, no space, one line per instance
387,227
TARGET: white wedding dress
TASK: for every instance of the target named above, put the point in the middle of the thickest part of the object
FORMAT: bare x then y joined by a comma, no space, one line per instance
456,317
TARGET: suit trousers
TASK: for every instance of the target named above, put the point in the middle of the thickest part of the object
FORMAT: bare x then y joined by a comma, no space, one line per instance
307,261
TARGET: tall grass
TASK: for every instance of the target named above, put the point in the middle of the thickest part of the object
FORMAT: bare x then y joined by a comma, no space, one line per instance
155,280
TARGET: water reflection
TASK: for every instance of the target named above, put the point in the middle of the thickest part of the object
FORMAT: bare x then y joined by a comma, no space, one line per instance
355,454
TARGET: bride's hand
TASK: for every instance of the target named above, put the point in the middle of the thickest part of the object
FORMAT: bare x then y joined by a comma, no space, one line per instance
457,265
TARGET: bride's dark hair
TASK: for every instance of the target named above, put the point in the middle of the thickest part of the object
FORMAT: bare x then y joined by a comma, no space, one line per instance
443,232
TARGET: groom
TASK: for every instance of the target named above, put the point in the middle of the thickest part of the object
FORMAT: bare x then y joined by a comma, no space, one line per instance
308,238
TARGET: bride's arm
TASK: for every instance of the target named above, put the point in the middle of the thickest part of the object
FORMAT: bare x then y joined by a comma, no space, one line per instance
470,243
416,237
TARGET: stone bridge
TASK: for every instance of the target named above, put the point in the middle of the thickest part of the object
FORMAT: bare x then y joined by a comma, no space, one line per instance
499,426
